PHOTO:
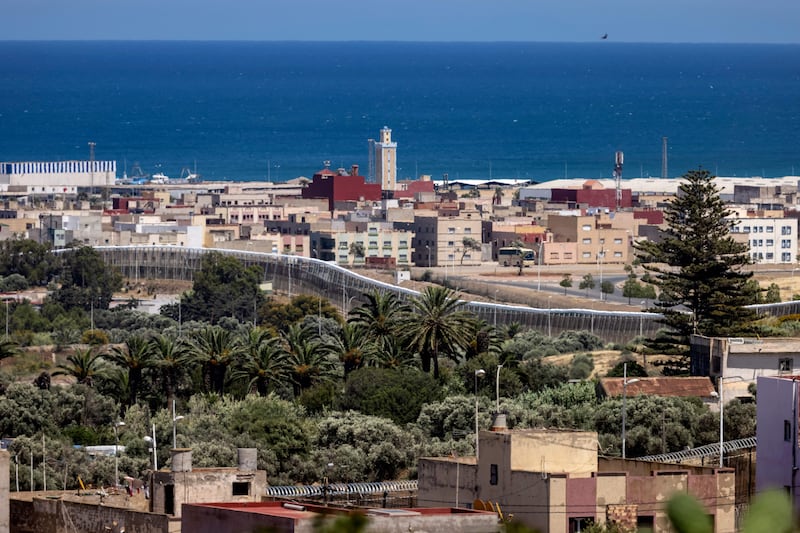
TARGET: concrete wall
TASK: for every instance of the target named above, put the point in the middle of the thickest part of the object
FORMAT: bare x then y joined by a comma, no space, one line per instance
572,452
58,516
5,489
443,476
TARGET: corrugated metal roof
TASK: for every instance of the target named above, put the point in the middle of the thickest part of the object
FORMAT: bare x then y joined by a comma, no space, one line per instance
709,450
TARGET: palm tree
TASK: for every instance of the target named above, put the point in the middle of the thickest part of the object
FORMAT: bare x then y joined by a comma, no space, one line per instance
437,323
392,355
308,359
264,363
380,315
215,349
170,358
84,365
353,346
134,356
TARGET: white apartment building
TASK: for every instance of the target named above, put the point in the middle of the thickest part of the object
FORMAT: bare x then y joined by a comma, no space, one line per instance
771,240
379,240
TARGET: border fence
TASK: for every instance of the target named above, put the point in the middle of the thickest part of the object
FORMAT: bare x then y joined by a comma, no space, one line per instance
293,275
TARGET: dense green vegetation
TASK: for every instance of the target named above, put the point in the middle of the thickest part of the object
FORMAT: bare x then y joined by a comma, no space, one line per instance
698,267
369,392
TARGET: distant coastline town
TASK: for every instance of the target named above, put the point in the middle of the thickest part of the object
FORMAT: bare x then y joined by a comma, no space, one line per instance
339,215
547,460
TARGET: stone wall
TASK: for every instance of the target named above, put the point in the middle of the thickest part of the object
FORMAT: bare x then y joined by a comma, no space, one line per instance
59,516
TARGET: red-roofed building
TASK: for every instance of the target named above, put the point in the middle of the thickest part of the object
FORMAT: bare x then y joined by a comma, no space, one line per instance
339,186
592,194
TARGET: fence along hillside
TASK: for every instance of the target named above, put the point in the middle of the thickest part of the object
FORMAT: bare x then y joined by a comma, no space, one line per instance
293,275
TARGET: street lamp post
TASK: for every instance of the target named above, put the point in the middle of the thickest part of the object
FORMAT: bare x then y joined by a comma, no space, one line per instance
116,452
539,268
641,321
549,330
478,374
495,311
497,389
175,426
429,254
600,255
625,383
152,442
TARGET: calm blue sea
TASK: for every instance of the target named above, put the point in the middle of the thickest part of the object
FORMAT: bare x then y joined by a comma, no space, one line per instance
253,110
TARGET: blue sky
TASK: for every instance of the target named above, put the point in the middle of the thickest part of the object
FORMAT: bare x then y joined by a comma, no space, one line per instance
729,21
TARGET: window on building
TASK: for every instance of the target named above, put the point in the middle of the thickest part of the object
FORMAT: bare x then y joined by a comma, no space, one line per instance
787,431
786,230
786,257
451,230
587,255
587,241
586,227
451,243
770,256
493,474
770,242
240,488
770,229
746,229
786,243
617,240
467,230
617,254
785,364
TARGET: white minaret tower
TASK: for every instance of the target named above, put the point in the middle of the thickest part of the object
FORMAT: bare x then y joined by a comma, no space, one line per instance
386,160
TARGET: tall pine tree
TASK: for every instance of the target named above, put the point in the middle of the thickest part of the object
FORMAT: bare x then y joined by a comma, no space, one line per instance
698,267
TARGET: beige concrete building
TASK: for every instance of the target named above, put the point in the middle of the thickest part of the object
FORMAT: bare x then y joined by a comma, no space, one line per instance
555,482
438,237
598,238
169,490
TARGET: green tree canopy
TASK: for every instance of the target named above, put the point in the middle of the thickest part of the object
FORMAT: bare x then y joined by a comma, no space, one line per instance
697,265
223,287
87,281
566,282
34,261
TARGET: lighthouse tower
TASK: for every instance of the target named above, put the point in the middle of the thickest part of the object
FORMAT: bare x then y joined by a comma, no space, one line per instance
386,160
